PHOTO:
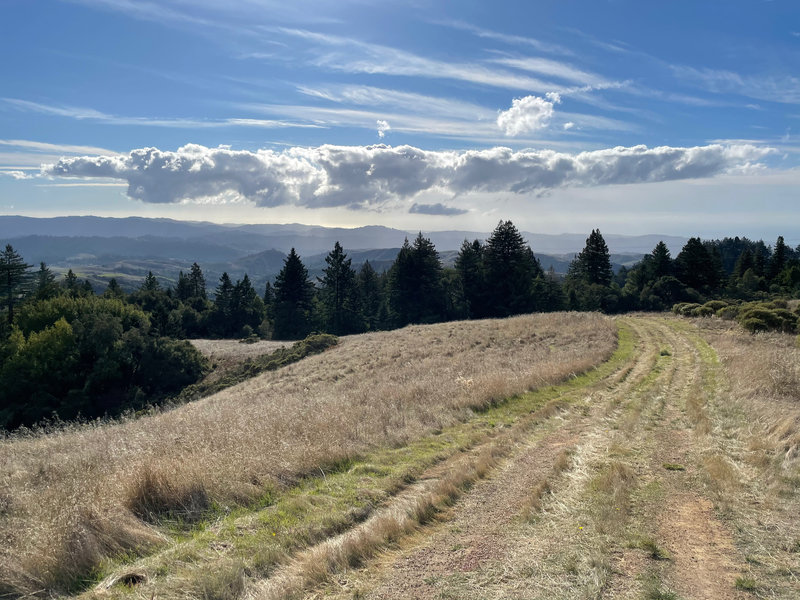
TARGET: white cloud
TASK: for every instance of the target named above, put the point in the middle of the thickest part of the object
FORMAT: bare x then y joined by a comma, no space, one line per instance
16,174
353,56
383,127
90,114
374,177
508,39
544,66
784,89
62,148
527,114
569,125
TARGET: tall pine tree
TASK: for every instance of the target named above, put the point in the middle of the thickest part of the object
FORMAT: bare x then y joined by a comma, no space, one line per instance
338,294
294,295
13,279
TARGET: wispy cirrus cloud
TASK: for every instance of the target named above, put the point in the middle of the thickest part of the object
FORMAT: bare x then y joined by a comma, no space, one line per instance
516,40
90,114
354,56
364,95
773,88
552,68
35,146
373,177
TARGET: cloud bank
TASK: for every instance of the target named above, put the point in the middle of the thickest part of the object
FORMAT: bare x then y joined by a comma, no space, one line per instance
370,177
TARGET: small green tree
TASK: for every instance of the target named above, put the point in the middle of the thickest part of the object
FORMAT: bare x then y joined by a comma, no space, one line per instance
46,286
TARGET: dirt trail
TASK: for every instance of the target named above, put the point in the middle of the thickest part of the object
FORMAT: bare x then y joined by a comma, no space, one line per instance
605,499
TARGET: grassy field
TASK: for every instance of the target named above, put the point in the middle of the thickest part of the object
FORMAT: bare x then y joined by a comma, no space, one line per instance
561,456
76,502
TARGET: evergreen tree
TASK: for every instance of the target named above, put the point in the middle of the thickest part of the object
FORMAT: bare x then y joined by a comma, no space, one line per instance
778,260
247,308
744,263
415,289
150,283
294,295
197,283
70,284
510,268
183,289
760,261
548,292
660,261
593,264
339,294
696,266
370,296
471,280
113,290
223,306
46,286
13,279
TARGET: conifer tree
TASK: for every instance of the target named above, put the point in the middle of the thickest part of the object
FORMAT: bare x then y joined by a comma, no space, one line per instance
70,283
294,295
510,269
46,286
197,283
182,289
778,260
150,283
339,294
660,261
696,266
370,296
471,279
415,289
593,264
13,279
113,290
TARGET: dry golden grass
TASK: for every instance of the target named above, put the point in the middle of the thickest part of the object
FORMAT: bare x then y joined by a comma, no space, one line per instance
234,350
71,498
763,372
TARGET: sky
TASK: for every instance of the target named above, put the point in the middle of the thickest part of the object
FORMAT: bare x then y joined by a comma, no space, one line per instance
679,117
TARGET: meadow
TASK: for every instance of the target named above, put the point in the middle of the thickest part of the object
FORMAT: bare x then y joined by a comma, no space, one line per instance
75,496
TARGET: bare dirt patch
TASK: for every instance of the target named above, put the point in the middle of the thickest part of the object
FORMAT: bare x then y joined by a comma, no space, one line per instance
701,547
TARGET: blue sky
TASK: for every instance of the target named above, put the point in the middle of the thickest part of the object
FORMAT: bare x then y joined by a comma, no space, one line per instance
672,117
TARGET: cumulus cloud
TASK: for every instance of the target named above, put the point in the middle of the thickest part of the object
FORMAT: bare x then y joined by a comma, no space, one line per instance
436,209
527,114
383,127
568,126
374,176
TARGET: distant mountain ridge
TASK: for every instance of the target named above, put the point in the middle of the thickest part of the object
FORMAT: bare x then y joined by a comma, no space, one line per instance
99,248
306,239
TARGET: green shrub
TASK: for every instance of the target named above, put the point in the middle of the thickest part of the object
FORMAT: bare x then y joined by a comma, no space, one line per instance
777,303
728,313
702,311
766,319
716,305
754,325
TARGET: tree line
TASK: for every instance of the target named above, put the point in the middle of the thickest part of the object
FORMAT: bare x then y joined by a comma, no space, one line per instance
65,348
